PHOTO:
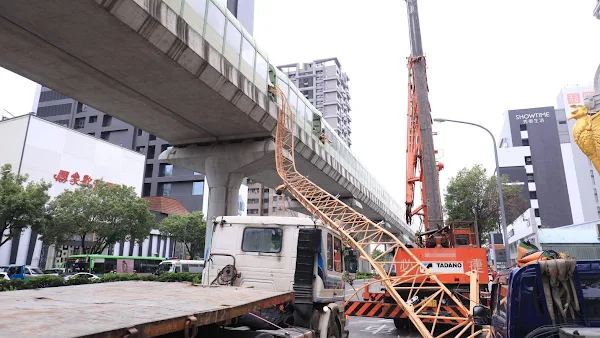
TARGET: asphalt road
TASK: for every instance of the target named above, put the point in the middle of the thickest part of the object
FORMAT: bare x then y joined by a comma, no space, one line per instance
364,327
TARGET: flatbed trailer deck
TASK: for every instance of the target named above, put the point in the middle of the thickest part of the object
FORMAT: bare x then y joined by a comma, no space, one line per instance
137,308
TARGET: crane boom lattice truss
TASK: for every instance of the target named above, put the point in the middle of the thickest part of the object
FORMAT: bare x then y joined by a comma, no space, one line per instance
362,234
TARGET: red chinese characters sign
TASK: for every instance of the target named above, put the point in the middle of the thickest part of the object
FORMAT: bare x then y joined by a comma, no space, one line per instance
74,178
573,98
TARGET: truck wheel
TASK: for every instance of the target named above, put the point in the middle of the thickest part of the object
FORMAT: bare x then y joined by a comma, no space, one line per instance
334,330
401,323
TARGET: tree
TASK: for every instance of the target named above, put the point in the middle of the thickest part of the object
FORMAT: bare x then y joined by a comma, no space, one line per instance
103,214
473,193
377,253
22,203
188,229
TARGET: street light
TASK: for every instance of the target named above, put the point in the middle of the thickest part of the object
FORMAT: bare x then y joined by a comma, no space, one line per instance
498,181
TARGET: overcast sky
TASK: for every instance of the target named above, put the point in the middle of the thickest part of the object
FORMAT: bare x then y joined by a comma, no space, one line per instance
483,58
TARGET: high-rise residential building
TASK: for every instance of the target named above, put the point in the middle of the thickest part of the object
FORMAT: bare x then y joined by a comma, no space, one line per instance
264,201
326,87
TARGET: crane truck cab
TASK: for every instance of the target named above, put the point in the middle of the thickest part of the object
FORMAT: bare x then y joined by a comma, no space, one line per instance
520,304
284,254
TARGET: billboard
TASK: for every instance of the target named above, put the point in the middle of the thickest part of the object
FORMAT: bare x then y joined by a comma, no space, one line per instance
124,265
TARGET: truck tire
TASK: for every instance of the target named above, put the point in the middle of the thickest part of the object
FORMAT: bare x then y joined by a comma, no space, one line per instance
401,323
333,331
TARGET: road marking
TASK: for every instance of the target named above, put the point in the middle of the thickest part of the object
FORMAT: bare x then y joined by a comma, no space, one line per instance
376,329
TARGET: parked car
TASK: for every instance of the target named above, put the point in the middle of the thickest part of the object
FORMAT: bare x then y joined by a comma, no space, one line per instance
85,275
4,275
55,271
17,271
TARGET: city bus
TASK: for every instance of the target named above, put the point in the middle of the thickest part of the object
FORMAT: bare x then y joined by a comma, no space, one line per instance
103,264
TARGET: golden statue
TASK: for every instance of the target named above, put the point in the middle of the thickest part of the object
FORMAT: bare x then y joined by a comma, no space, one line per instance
586,133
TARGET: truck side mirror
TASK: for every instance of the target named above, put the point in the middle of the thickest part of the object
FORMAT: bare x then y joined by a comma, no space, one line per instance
481,315
353,265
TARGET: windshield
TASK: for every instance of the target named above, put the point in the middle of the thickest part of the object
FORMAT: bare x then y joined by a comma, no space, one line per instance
164,267
36,271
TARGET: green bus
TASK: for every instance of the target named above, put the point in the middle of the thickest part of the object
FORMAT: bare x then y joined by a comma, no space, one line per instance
102,264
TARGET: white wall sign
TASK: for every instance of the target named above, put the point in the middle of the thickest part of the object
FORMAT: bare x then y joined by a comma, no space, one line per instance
444,267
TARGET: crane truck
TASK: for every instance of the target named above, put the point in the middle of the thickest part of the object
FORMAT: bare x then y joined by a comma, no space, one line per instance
449,250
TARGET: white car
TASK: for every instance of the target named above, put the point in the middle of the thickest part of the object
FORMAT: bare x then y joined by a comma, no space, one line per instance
82,275
4,275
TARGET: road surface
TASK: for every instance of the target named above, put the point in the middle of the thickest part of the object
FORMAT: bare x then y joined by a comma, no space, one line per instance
364,327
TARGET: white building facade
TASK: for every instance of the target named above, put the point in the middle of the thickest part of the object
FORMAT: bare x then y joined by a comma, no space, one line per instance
581,174
66,158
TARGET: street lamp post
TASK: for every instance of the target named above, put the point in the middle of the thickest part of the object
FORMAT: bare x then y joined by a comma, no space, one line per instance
498,181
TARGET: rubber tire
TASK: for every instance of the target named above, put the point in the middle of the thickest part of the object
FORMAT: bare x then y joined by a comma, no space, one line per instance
333,331
401,323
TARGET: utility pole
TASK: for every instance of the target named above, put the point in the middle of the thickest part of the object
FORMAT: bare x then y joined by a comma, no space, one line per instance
429,167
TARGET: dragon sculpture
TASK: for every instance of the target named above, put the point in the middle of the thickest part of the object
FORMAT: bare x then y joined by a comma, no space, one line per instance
586,133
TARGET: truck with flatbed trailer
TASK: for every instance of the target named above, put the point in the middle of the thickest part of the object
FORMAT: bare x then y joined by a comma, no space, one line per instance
264,277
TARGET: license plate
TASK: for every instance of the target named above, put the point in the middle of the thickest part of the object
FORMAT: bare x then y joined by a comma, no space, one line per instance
432,303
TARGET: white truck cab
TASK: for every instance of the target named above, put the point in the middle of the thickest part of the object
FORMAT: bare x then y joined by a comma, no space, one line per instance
281,254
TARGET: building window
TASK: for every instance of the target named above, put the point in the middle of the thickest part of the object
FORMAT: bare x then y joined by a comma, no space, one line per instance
254,190
596,195
164,189
106,120
562,122
166,170
266,200
57,110
140,132
265,211
523,127
252,211
274,198
592,176
140,149
148,171
536,212
93,119
533,195
528,160
150,153
146,189
530,178
252,200
525,142
274,209
51,96
64,123
151,137
104,135
198,188
79,123
266,190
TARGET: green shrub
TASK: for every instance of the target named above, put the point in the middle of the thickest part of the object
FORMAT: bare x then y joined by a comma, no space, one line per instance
198,279
46,281
80,280
177,277
116,277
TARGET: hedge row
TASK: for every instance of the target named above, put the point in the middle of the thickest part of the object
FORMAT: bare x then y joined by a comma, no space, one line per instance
50,281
